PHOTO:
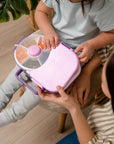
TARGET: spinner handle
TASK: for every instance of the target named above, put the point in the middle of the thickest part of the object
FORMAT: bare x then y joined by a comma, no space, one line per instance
22,81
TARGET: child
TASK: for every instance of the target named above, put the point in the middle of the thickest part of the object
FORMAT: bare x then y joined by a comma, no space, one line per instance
11,84
83,26
99,128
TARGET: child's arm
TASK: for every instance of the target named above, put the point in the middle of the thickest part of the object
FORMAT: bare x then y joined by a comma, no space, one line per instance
41,16
102,39
99,41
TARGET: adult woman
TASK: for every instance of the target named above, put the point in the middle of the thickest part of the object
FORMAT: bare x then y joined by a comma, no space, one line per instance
100,129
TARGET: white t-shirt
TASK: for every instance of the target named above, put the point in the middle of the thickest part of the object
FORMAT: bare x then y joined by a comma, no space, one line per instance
75,28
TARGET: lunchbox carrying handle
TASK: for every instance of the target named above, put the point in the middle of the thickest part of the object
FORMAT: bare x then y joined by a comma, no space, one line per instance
22,81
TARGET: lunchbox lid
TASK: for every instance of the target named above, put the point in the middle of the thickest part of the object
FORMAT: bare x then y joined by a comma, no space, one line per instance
60,67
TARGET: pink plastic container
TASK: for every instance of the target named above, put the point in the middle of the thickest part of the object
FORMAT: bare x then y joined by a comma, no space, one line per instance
61,67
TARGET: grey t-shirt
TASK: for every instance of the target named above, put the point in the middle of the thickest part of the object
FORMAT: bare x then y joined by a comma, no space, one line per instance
75,28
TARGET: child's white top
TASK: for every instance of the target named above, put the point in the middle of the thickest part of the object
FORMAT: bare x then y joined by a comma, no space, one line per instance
73,27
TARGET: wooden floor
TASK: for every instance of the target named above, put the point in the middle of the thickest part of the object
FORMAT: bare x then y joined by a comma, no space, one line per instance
40,125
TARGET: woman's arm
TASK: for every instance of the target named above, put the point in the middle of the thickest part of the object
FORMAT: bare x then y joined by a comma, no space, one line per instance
81,86
83,130
70,102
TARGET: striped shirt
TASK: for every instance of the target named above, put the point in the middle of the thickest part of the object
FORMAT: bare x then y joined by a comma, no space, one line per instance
101,121
105,51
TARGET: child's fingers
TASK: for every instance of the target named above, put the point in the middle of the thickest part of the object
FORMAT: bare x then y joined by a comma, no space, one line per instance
52,42
40,40
78,49
44,43
48,44
82,55
56,41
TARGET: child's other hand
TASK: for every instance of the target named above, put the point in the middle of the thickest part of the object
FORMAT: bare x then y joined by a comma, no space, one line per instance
86,49
50,40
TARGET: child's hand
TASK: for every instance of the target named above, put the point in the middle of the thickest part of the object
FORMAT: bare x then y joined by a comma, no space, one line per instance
86,49
50,40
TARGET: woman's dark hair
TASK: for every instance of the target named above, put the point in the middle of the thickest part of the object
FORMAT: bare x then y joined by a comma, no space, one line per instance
100,98
110,77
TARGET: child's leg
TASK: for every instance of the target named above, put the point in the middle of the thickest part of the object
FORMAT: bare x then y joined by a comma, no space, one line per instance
20,108
9,87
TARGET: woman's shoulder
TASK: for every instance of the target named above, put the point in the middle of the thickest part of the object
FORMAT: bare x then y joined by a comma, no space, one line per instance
105,108
100,112
101,121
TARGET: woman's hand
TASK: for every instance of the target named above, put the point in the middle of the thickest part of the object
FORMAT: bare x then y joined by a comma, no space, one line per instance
80,88
50,40
62,98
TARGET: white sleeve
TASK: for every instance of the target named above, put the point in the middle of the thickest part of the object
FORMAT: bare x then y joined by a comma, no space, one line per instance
48,3
105,16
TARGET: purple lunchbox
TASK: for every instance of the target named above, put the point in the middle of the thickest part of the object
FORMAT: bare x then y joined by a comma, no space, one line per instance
47,69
